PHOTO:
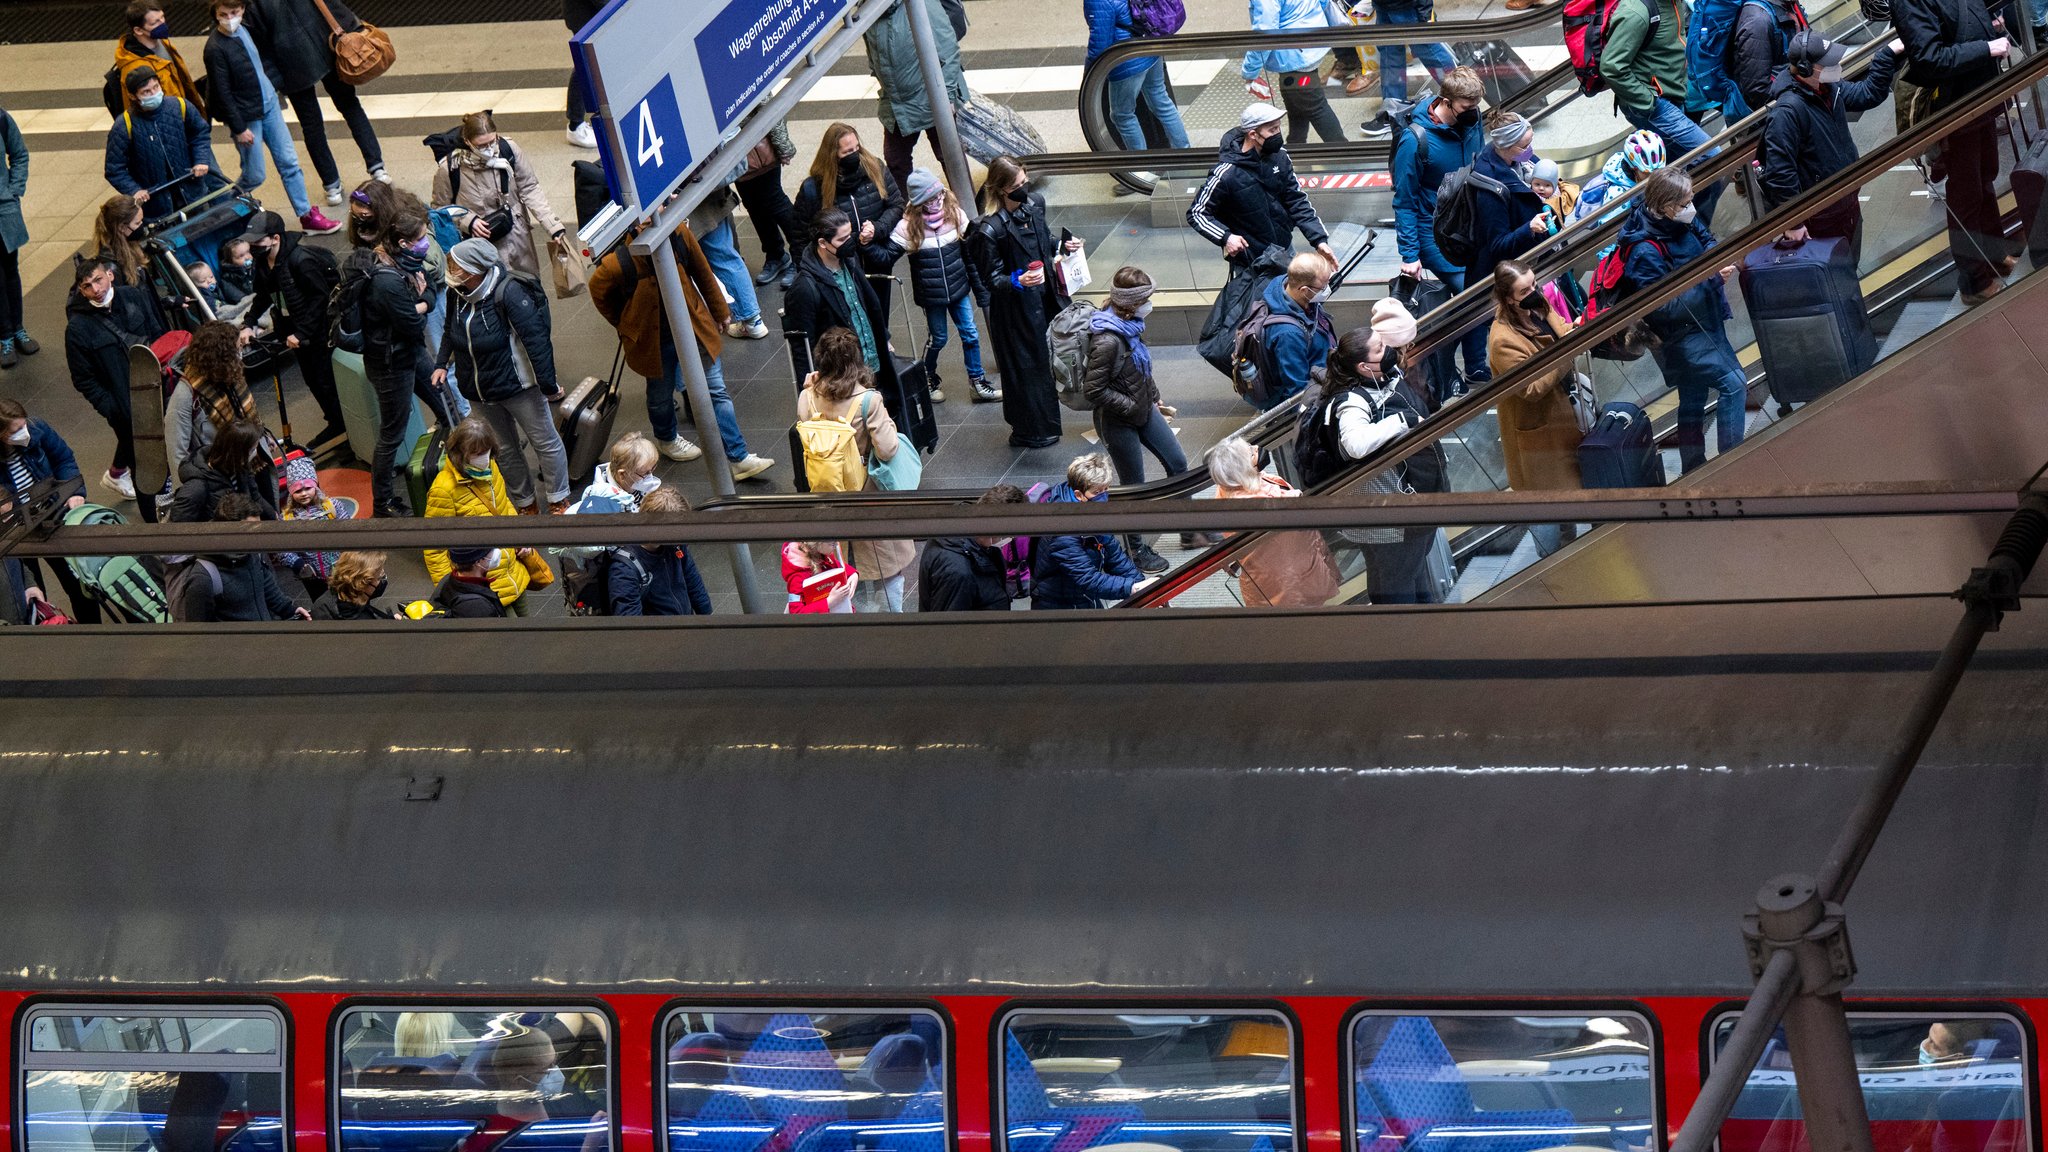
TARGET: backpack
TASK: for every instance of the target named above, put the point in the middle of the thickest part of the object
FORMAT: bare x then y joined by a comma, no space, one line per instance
1611,286
1251,360
110,92
447,233
1708,42
586,580
1457,213
832,461
1319,453
183,579
1068,340
124,585
1157,17
345,309
1585,34
444,143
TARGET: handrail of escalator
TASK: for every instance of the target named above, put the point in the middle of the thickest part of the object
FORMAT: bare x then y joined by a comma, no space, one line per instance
1617,319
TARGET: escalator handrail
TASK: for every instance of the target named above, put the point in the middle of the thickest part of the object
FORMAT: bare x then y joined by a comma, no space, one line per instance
1617,319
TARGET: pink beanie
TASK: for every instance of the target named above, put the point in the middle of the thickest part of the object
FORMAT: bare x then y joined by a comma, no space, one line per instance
1393,324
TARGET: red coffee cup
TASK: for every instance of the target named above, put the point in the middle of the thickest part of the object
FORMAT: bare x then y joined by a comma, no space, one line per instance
1035,266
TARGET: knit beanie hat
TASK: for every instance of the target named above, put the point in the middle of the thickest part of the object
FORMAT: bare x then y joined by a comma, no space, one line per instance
1393,323
924,185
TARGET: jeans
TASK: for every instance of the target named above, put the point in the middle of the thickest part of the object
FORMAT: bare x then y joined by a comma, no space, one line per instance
1127,445
306,107
1307,106
10,294
527,414
1680,135
661,402
724,253
394,385
884,595
773,215
962,311
1701,365
1394,57
273,135
1150,85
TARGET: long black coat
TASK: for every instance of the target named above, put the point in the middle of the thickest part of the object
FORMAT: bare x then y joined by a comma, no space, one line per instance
1000,246
294,40
96,343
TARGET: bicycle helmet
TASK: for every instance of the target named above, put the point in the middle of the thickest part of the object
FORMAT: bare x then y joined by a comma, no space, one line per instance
1644,152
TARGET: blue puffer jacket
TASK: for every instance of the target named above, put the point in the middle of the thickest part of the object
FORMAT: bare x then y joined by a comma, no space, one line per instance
1109,22
148,150
47,455
1421,161
1657,245
1079,571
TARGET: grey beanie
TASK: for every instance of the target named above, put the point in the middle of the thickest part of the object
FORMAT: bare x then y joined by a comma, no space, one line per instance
924,185
476,255
1545,170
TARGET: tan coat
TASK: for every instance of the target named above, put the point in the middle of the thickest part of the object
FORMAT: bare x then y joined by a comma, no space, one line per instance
874,433
510,184
1539,434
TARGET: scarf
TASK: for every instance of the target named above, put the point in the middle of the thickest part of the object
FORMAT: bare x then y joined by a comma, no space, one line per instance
1107,320
223,405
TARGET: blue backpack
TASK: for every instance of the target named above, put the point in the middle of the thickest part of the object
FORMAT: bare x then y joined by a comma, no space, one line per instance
1707,42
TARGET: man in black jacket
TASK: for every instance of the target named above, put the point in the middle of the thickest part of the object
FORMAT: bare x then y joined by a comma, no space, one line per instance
1953,48
245,97
466,592
1251,198
1806,136
297,279
968,574
103,321
1758,44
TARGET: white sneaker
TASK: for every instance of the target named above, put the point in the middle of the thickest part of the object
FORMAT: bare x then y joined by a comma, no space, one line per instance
754,329
381,176
751,467
334,196
679,449
582,136
123,484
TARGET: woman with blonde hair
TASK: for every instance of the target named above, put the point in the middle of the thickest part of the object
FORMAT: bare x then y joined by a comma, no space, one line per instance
846,176
352,590
496,194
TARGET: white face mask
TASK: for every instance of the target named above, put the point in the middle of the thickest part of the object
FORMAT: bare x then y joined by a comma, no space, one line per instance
489,151
19,438
1321,294
1144,309
496,558
231,25
1686,214
646,484
1831,74
104,300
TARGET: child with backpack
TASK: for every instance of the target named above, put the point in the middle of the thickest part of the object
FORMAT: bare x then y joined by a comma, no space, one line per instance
1639,155
933,233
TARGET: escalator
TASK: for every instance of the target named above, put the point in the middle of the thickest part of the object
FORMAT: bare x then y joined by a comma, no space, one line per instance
1906,272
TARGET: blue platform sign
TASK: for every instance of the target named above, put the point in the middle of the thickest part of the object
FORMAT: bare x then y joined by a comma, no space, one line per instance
674,76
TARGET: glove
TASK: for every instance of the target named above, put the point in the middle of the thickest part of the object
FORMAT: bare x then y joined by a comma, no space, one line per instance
1259,89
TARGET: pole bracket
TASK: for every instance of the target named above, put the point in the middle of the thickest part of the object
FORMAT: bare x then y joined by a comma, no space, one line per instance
1792,917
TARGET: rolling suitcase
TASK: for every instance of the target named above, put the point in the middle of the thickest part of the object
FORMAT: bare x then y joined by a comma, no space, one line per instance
1443,568
584,417
1806,308
989,130
359,412
422,465
1620,451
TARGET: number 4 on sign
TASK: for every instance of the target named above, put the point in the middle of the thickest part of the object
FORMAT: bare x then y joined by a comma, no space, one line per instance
651,142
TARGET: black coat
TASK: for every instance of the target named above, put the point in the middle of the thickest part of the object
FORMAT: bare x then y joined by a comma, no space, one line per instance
1948,46
234,94
1256,197
577,13
1757,45
480,334
248,591
662,582
1502,222
295,41
865,204
814,305
200,490
1806,134
464,600
958,575
332,607
1112,381
999,248
394,329
96,343
302,279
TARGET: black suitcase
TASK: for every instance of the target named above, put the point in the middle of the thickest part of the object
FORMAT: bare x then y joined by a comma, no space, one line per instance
584,416
1620,451
1806,307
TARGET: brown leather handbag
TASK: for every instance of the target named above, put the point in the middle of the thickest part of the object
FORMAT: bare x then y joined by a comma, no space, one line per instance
359,56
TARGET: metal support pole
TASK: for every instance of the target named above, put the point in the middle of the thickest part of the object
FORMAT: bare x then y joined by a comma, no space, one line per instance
675,304
1791,918
950,152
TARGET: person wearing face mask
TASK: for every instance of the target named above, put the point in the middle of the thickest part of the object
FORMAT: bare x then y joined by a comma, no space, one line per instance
496,194
969,573
499,337
1082,571
236,463
1117,379
840,392
153,145
147,44
1251,200
246,98
292,282
31,452
1539,431
623,479
469,484
116,237
934,234
103,320
847,178
352,591
830,292
1643,60
1807,138
467,589
1662,233
1011,254
394,314
1438,141
1293,349
1509,216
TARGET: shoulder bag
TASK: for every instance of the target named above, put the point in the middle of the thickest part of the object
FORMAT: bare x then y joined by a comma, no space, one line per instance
359,56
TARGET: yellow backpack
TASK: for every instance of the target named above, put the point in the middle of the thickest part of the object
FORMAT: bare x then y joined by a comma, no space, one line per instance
832,460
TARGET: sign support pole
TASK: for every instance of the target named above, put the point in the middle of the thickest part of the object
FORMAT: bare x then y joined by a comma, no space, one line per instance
951,153
674,303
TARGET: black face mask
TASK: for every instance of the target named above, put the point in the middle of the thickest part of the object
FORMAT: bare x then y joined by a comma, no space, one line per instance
1020,193
1466,119
1390,363
847,250
1271,145
383,586
1535,302
848,165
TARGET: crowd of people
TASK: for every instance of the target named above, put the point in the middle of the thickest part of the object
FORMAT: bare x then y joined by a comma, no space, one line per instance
445,299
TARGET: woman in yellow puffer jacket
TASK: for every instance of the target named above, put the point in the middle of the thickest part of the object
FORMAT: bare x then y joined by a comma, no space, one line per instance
469,484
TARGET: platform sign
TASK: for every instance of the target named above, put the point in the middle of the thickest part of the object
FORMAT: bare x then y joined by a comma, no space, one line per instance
675,74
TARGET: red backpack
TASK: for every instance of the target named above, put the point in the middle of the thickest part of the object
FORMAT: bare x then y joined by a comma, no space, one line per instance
1585,34
1610,286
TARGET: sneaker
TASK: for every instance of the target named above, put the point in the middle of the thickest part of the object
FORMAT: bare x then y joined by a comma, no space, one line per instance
679,449
1193,541
772,271
316,223
938,396
753,329
788,276
984,392
751,467
1149,562
26,344
123,485
334,195
582,136
1379,127
380,175
8,358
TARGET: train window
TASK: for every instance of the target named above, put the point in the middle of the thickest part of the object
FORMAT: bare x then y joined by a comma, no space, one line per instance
1205,1082
113,1078
1955,1082
1501,1082
474,1080
822,1080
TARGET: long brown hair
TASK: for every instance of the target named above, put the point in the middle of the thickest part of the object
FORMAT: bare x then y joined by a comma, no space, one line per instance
213,367
1508,306
913,219
825,166
110,238
995,187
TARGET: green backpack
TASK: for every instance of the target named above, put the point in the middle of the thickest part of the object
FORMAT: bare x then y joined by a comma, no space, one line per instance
124,585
